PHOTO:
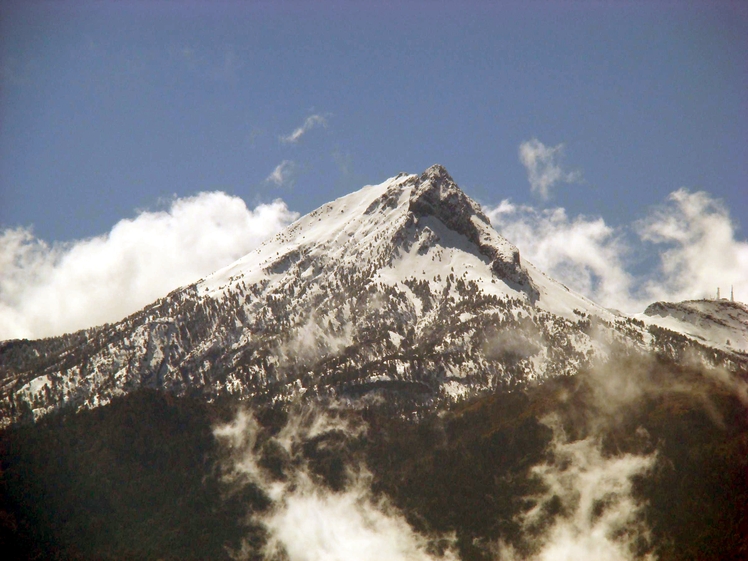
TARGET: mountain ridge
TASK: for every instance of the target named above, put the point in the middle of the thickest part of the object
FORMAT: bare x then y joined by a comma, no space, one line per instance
400,290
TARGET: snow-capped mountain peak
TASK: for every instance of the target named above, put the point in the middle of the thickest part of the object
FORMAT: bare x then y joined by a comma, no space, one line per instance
401,289
376,220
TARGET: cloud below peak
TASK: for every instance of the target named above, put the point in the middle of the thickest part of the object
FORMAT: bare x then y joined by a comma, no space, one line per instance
307,520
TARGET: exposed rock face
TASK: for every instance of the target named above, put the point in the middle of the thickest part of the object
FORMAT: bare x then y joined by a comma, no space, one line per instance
436,194
399,292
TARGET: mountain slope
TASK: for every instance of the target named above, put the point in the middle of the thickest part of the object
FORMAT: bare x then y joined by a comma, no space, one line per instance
722,323
401,289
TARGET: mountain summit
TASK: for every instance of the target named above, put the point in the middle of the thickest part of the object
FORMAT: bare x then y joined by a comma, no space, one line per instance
437,195
398,213
400,293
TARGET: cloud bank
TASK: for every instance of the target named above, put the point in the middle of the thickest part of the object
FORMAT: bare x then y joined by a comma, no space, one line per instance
543,164
309,123
48,290
692,235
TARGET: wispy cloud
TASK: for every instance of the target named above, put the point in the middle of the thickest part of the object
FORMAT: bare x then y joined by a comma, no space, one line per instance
307,520
599,517
309,123
691,236
543,166
52,289
284,174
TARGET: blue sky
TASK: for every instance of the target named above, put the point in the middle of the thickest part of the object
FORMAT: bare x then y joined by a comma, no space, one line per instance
108,109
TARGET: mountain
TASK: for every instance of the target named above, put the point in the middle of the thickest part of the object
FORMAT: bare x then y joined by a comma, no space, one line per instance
720,323
401,289
338,393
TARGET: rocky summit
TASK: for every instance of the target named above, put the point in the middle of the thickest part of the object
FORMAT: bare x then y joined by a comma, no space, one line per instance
400,293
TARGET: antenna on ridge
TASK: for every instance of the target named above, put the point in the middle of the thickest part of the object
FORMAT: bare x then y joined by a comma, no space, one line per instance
732,293
717,293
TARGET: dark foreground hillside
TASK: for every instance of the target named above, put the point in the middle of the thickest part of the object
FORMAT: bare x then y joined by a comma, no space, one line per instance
145,477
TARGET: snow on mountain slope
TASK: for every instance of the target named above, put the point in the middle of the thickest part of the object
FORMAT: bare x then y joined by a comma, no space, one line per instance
328,231
440,228
719,323
400,291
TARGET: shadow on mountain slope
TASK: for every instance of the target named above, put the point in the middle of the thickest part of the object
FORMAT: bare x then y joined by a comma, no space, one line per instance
145,477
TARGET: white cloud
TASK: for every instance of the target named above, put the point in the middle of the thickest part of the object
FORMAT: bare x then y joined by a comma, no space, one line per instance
599,518
584,253
284,174
543,166
52,289
307,521
691,236
701,250
309,123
